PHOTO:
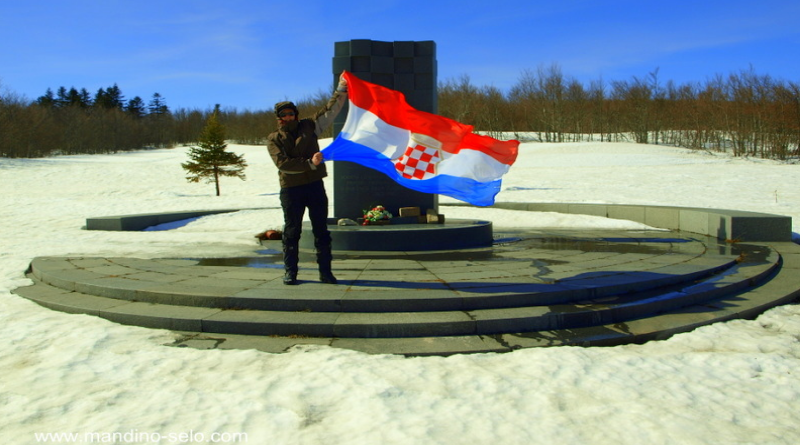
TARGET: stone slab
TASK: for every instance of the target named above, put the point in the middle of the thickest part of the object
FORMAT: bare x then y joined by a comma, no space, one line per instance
159,316
422,346
142,221
67,301
403,324
312,324
721,223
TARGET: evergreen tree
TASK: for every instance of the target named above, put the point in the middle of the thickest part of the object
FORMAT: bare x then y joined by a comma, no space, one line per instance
48,99
62,98
159,118
209,161
115,97
101,99
84,98
109,98
135,107
158,105
78,98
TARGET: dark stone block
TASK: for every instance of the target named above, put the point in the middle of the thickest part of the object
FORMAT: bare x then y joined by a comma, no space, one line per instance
360,48
404,82
341,64
382,48
405,220
404,65
424,65
143,221
425,48
382,65
364,76
760,228
361,64
421,100
386,80
424,81
357,187
403,49
341,49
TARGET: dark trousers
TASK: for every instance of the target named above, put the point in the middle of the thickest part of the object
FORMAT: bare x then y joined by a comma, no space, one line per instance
294,201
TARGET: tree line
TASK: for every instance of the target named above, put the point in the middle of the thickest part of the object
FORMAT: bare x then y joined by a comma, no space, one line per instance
746,113
72,121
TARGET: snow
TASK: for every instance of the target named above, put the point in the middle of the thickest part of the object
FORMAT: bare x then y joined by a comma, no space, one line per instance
733,382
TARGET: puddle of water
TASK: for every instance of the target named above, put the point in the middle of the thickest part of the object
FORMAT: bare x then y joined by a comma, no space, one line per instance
273,258
255,262
647,240
615,245
454,255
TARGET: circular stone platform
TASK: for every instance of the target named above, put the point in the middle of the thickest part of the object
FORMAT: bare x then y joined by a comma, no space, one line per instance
531,288
454,234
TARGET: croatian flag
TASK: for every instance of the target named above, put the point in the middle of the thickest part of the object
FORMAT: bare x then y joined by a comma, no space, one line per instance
419,150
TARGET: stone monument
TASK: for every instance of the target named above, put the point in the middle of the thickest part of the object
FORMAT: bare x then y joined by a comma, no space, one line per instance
405,66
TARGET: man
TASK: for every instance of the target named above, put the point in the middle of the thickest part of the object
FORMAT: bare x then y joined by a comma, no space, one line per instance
294,148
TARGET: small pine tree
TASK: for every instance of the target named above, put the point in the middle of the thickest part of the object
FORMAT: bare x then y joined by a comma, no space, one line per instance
210,160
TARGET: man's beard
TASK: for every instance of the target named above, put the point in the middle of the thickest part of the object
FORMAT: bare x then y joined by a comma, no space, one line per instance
290,126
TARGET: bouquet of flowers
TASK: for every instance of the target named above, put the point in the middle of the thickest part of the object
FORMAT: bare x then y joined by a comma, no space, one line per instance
377,213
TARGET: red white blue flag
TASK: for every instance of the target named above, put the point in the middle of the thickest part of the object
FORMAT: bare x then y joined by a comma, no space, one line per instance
419,150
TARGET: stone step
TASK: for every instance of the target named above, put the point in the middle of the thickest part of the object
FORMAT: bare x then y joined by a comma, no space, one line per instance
183,283
780,287
625,307
590,313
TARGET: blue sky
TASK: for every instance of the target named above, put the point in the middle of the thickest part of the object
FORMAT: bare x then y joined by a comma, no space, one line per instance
249,54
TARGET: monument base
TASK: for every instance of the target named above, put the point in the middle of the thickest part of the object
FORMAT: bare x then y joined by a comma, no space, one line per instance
453,235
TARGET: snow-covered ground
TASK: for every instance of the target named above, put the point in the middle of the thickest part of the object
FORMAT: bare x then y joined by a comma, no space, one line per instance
734,382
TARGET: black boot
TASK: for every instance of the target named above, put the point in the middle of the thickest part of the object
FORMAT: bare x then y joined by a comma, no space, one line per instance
290,260
324,258
326,276
290,278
